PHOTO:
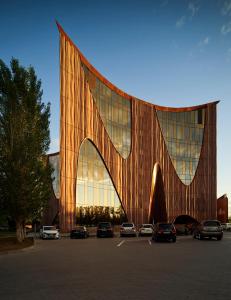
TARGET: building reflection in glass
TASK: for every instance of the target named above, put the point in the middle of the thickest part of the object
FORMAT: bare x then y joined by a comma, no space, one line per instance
183,135
94,185
115,112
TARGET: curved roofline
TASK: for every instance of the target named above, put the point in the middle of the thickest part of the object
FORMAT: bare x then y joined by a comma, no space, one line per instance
122,93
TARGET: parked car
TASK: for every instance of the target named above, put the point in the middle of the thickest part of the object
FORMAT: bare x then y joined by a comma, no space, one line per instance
208,229
226,226
105,229
49,232
79,232
127,229
181,229
164,232
146,229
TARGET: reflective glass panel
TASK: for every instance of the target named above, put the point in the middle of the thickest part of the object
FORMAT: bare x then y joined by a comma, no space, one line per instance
183,135
94,186
115,112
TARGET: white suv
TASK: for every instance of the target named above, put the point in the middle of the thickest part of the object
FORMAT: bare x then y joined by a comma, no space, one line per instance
49,232
146,229
127,229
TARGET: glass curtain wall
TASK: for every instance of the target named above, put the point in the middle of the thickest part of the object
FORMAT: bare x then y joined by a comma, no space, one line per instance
183,135
115,112
94,186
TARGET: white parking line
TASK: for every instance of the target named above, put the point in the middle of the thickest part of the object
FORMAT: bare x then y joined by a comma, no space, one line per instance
121,243
150,242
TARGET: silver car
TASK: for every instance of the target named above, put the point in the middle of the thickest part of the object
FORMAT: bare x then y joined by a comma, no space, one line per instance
208,229
127,229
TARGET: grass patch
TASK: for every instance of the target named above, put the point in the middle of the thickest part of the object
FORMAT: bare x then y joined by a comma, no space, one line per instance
11,243
5,234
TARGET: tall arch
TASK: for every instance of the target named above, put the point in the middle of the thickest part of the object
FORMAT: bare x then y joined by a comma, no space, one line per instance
157,206
95,187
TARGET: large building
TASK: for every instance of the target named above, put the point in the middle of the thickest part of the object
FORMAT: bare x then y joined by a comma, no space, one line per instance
157,162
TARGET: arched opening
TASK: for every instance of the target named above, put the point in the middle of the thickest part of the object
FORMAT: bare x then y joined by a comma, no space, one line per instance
157,206
185,224
96,197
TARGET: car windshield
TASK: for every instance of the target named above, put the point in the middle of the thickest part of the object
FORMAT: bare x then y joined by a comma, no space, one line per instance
147,226
49,228
211,223
127,225
104,225
165,226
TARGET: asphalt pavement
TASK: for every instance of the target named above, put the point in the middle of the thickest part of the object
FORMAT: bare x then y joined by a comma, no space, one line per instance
118,268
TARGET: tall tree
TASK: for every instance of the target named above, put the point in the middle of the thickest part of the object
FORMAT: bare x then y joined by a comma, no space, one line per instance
25,176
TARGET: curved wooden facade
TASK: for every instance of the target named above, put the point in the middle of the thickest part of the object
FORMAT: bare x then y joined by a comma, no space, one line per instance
133,176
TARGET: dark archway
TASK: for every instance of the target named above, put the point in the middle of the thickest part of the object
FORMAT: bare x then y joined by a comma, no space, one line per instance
185,224
185,219
157,206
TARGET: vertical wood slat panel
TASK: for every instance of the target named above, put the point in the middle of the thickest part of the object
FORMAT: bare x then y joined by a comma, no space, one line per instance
80,119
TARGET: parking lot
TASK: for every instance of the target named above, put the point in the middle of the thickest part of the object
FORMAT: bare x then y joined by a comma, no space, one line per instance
118,268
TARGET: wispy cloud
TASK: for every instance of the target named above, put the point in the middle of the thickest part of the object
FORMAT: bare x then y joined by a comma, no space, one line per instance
204,42
226,8
226,28
180,22
193,8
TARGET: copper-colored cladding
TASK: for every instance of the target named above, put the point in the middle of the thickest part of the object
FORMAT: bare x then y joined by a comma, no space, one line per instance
222,209
132,177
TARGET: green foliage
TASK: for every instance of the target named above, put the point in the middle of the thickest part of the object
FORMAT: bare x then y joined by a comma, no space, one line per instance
92,215
24,140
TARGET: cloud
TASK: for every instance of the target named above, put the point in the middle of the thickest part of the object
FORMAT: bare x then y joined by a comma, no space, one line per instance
203,43
225,29
180,22
193,8
226,8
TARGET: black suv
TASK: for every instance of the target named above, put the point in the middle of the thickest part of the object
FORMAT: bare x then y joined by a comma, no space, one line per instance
164,232
104,229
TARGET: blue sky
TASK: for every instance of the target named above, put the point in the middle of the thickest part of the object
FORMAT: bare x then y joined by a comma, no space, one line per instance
173,53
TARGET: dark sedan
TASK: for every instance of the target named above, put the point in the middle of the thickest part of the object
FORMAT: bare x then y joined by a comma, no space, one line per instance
104,229
164,232
79,232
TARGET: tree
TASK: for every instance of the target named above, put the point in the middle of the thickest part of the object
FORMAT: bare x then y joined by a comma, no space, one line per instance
25,174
